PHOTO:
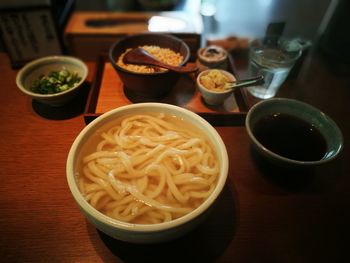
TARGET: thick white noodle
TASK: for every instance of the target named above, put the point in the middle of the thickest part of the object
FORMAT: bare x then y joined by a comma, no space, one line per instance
148,169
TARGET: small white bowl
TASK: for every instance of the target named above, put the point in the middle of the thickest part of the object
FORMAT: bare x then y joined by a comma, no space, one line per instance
33,70
217,60
214,97
146,233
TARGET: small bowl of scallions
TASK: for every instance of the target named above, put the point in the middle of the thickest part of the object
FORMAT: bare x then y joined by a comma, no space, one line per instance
52,80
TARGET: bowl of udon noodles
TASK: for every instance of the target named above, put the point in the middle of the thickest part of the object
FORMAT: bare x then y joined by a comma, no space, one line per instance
147,172
149,82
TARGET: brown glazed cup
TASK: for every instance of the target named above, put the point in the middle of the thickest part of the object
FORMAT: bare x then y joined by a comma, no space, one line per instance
148,85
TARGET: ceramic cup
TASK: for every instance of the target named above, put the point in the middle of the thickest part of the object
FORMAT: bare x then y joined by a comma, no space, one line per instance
306,114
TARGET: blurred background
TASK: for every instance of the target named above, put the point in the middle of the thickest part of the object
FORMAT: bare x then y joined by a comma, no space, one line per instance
94,23
303,18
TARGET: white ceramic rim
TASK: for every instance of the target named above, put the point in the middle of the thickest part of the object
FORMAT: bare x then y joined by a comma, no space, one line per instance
221,151
256,106
37,62
211,91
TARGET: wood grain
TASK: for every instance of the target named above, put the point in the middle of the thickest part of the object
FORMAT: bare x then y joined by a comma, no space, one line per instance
265,214
113,94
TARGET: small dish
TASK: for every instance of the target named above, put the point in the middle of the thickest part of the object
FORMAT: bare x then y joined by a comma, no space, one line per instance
212,97
212,56
148,85
42,66
308,138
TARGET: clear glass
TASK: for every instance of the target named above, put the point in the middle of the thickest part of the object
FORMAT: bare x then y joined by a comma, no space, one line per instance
273,58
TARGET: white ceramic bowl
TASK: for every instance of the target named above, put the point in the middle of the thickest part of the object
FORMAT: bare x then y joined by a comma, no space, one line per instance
33,70
214,97
146,233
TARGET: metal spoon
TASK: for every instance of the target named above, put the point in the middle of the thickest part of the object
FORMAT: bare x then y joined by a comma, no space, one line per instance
245,83
142,57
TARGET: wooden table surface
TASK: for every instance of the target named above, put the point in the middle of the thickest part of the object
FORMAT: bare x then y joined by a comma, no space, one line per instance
265,214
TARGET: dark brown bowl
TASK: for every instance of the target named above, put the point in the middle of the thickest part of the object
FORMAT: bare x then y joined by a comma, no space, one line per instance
149,85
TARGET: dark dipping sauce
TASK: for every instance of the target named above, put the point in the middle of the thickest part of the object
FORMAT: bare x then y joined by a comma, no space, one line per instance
290,137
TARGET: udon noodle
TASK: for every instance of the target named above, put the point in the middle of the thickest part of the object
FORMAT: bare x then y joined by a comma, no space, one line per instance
148,169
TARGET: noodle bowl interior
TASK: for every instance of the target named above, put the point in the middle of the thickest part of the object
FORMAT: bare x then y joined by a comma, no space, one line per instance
147,168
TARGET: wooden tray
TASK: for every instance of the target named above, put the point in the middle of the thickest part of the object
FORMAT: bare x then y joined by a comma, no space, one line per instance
108,93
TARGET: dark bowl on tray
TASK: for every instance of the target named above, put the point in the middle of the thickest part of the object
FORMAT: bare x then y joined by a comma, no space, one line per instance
149,85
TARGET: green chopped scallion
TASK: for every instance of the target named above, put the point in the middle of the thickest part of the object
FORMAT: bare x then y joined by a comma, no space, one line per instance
55,81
